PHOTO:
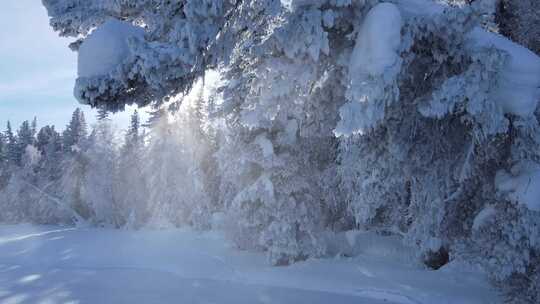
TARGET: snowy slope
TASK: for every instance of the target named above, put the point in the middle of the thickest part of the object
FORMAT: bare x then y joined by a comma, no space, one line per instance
56,265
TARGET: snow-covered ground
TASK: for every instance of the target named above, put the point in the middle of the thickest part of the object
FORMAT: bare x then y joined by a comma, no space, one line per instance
40,264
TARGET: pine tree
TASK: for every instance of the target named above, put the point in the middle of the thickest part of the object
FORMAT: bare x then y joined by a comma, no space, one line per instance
12,150
49,143
411,109
520,21
25,137
34,127
102,114
132,181
76,132
154,117
133,137
99,183
3,146
75,165
4,168
45,137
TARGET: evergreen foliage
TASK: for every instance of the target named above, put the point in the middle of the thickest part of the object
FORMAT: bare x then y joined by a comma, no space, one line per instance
287,123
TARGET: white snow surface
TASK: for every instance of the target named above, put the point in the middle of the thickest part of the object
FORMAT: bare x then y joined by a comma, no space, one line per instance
379,38
41,264
106,48
518,90
521,185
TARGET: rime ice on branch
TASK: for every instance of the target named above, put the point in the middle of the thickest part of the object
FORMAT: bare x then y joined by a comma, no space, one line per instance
434,115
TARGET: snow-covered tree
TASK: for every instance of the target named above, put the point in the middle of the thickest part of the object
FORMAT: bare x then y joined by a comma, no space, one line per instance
98,191
11,145
177,156
132,182
3,148
520,21
4,174
125,67
17,199
133,134
199,138
280,116
76,132
25,138
427,134
74,164
33,127
410,106
3,142
49,143
27,192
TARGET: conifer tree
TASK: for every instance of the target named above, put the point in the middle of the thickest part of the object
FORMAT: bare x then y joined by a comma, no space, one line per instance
34,126
99,184
133,136
12,153
132,181
25,137
49,143
76,131
75,164
409,106
4,174
3,145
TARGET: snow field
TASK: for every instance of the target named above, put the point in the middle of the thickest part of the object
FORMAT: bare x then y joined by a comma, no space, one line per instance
66,265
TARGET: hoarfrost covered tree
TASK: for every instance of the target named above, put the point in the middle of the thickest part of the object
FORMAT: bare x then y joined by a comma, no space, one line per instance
133,136
408,105
27,191
99,179
74,164
165,170
11,145
25,138
199,138
280,107
76,132
178,153
430,134
49,143
128,68
17,197
132,180
50,208
3,160
520,20
3,144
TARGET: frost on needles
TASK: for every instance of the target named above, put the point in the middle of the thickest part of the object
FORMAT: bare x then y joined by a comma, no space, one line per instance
412,117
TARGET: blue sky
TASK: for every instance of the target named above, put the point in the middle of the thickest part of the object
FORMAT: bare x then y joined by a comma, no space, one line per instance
37,69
